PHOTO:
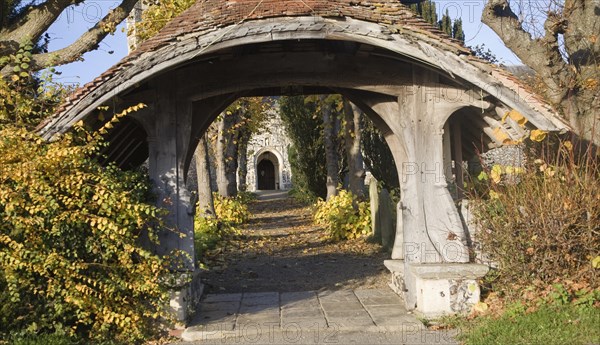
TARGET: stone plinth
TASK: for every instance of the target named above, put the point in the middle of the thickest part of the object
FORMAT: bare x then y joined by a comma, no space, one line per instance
436,289
186,291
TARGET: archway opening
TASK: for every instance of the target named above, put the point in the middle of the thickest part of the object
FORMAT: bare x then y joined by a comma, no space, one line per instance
267,172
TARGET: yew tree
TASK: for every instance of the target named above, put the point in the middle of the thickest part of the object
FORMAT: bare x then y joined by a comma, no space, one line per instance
564,52
28,21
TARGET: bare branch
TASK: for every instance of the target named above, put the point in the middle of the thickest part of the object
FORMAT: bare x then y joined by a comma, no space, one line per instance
542,55
35,21
86,42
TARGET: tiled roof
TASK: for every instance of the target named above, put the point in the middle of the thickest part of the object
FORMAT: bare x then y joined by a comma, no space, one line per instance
208,15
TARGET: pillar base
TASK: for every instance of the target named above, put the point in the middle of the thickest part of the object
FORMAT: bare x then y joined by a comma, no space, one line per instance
396,267
437,289
186,291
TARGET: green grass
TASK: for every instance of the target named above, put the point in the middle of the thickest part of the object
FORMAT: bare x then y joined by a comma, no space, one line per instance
549,325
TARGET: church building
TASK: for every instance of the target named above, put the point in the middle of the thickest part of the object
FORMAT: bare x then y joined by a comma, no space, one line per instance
268,162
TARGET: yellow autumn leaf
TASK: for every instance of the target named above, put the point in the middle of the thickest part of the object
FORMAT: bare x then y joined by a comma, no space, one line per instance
596,262
515,116
494,195
480,307
590,84
501,135
538,135
568,145
496,173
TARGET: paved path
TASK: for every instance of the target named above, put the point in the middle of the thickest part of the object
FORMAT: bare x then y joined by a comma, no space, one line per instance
271,194
281,250
327,312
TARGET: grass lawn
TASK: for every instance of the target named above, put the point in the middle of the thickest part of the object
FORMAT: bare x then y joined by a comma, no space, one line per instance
551,324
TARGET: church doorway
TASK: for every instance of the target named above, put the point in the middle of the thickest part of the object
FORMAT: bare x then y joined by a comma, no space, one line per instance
266,175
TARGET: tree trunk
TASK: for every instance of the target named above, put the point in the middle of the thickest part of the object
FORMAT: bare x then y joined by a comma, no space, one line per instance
243,140
226,155
33,22
571,83
206,205
329,138
352,138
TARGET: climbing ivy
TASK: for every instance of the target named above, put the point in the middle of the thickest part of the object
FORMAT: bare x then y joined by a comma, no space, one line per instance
70,232
26,98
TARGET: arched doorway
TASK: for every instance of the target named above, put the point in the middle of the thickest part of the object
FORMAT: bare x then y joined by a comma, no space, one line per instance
266,175
267,170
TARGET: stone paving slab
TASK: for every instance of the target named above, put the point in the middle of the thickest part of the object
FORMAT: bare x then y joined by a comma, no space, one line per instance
222,316
225,297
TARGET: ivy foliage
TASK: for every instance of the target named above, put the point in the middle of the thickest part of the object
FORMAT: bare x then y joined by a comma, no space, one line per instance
70,234
76,257
26,99
231,210
339,217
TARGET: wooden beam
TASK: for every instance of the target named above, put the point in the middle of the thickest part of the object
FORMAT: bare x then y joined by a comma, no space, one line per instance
455,127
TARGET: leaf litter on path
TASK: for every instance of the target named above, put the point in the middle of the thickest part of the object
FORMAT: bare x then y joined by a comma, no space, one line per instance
280,249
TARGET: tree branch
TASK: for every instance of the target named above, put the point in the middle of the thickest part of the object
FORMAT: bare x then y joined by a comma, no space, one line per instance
35,21
542,55
86,42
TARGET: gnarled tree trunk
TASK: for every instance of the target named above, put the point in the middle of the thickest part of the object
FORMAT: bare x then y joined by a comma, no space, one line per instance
572,82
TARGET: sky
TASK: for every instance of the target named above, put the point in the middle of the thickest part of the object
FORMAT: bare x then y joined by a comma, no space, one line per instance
76,20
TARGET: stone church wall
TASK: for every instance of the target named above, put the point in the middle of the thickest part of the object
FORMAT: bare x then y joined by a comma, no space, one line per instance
272,143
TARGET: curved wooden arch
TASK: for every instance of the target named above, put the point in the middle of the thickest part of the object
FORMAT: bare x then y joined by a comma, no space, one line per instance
198,48
400,71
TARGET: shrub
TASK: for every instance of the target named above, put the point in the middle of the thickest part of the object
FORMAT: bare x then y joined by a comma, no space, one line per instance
44,339
230,212
304,197
542,226
70,231
340,219
233,211
246,197
209,233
